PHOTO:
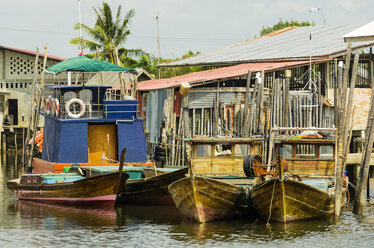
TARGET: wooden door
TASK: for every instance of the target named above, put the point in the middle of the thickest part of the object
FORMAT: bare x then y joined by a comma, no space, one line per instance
102,143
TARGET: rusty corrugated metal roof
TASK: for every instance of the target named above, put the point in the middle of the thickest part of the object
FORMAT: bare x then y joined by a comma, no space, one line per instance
221,73
31,53
283,45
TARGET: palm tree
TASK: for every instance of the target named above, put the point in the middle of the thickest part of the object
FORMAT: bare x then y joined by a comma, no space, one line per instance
108,36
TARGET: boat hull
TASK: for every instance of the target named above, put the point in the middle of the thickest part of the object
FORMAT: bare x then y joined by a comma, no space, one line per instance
301,201
100,190
151,190
205,199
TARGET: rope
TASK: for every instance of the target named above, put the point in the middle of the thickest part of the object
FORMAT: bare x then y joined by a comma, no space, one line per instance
271,203
352,185
348,198
115,161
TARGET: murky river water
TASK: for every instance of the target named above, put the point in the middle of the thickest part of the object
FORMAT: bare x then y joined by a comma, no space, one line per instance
24,224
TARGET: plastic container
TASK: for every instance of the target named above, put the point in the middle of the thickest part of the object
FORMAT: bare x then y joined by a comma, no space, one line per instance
126,109
184,88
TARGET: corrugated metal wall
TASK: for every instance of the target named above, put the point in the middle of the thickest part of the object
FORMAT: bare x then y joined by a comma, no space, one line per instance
154,110
207,99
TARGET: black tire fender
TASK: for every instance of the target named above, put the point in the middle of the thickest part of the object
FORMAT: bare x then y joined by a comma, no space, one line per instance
161,159
248,164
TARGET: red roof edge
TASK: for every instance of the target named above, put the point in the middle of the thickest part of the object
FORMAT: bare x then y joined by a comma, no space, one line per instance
32,53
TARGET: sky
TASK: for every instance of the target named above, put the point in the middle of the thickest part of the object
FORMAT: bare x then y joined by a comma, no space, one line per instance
196,25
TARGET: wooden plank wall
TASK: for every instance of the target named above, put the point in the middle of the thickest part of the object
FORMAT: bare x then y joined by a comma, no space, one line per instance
215,115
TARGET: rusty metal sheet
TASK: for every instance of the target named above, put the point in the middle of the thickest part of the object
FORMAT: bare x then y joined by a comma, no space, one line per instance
220,73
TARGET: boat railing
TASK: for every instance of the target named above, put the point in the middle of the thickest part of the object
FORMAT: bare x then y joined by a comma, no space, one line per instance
110,109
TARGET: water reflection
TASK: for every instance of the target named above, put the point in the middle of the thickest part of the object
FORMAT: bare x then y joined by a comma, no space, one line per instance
48,216
248,230
39,224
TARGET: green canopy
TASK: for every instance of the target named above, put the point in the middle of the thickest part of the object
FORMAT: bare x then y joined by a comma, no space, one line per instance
84,64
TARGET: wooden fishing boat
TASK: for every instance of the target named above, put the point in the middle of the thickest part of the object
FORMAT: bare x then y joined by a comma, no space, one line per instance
216,186
206,199
68,188
153,188
145,185
304,186
299,200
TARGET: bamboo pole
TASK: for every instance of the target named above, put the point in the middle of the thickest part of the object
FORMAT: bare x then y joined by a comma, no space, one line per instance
173,139
44,66
287,98
319,101
340,150
336,97
279,102
202,121
250,127
365,162
246,107
216,112
35,123
261,105
350,102
31,110
272,102
179,135
282,190
186,119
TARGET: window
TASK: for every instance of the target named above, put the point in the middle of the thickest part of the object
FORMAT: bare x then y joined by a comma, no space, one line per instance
242,150
326,152
203,151
305,151
222,150
286,151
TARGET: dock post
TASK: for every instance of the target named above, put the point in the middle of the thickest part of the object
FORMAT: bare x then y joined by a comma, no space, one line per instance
365,162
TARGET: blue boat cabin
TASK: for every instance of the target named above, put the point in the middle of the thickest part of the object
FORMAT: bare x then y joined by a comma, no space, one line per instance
96,134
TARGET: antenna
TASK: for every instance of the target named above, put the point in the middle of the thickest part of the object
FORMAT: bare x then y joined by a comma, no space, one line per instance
158,46
80,27
310,71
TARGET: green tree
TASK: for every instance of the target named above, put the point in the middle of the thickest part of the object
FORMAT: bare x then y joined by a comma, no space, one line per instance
108,36
150,63
284,24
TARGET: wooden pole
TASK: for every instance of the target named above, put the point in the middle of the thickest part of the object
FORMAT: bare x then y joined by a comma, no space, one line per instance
287,98
29,168
44,66
186,119
216,111
122,160
272,102
261,105
282,190
365,162
31,110
173,139
340,155
246,107
252,119
350,101
336,97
